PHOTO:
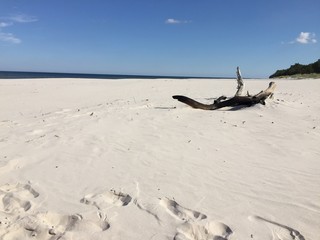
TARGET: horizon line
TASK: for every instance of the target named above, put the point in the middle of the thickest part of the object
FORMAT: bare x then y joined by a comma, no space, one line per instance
40,74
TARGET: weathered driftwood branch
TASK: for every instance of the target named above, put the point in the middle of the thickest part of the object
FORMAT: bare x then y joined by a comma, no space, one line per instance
237,100
240,83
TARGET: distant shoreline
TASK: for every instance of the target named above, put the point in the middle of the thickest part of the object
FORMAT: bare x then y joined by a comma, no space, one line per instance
33,75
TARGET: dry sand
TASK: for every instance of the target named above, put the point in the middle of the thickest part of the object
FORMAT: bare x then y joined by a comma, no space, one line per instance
120,159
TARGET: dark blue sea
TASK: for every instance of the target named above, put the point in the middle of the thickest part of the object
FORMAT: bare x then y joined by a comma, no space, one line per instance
22,75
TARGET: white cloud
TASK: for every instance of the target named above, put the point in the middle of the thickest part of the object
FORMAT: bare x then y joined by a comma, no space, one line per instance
14,19
172,21
306,37
5,24
176,21
9,37
22,18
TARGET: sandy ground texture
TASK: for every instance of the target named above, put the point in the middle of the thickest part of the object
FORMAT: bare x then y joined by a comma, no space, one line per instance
120,159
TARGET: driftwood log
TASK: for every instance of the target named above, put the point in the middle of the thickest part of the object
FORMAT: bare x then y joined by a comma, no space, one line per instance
237,100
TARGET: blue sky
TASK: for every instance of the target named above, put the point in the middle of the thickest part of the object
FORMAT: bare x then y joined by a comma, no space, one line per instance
159,37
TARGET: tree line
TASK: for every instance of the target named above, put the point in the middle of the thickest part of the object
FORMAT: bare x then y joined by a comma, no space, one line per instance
298,69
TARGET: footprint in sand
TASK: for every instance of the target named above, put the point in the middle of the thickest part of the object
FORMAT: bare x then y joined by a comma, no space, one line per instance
279,231
59,225
17,221
212,230
191,228
179,212
15,203
53,226
16,198
104,200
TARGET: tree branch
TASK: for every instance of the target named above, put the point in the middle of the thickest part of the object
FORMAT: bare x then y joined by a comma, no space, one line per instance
237,100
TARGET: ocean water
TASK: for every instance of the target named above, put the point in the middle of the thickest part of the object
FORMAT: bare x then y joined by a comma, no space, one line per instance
24,75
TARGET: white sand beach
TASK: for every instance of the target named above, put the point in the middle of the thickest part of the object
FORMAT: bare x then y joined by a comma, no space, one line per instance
90,159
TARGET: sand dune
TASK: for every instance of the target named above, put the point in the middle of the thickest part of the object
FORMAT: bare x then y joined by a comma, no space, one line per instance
120,159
